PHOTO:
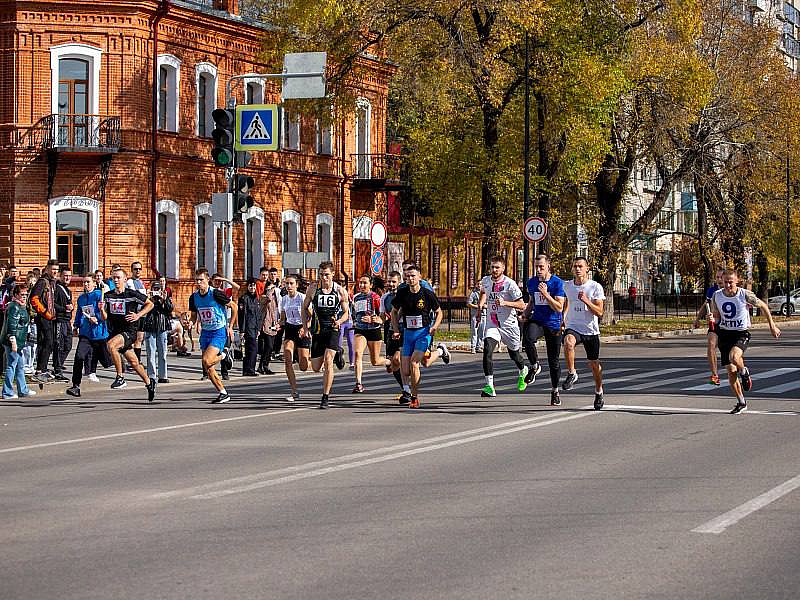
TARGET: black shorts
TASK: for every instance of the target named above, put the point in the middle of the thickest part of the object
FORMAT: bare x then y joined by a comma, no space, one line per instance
393,345
371,335
327,339
291,333
128,338
591,343
730,339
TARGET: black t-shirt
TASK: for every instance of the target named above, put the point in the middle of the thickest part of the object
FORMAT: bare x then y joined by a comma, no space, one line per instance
119,304
419,304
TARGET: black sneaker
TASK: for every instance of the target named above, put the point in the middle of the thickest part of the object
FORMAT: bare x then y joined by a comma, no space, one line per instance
570,381
739,408
222,398
151,390
60,377
227,362
323,404
533,371
555,399
338,359
74,391
747,382
119,383
598,400
163,380
404,398
445,353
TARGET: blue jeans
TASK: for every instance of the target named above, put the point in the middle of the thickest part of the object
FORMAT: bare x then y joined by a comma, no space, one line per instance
156,346
14,371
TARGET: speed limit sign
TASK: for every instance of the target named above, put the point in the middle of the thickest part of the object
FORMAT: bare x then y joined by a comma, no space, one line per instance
535,229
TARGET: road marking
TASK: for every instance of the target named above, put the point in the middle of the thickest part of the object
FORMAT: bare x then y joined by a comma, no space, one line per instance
782,388
722,522
144,431
429,445
645,375
683,409
652,384
765,375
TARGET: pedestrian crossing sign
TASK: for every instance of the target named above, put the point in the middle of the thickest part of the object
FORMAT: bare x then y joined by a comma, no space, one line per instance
256,127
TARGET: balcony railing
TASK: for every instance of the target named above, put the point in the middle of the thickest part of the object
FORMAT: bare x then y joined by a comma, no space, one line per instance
380,171
72,133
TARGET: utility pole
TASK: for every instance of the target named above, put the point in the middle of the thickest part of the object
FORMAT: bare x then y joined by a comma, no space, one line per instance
526,197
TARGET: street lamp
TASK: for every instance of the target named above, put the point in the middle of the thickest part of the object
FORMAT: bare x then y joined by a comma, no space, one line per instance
788,234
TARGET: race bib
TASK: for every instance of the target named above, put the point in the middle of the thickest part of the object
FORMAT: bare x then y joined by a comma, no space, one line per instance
494,301
539,299
326,300
361,306
116,307
206,316
413,321
293,313
88,311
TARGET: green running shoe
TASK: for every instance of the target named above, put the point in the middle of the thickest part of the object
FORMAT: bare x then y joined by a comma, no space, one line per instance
521,385
488,392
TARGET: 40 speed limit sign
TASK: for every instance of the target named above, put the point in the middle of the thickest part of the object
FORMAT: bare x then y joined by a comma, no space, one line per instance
535,229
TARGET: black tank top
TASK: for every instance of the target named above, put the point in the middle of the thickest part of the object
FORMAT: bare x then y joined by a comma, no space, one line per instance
326,307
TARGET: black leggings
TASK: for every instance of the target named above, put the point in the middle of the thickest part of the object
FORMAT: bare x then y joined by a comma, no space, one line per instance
45,338
267,346
489,346
552,339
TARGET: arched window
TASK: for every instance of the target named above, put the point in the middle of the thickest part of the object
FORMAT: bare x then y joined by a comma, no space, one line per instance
205,237
75,85
167,244
290,234
73,232
206,84
253,92
325,234
363,118
169,78
253,241
290,130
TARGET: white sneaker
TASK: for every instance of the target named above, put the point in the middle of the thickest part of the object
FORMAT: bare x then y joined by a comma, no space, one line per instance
12,397
93,377
30,393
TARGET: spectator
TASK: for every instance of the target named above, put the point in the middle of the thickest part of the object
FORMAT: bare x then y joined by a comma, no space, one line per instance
280,290
100,282
43,302
14,336
186,324
270,330
155,329
63,341
261,284
476,326
29,351
249,323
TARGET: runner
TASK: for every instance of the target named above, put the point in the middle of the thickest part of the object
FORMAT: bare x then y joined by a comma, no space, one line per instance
729,308
393,346
119,311
431,354
416,304
585,300
543,319
209,306
367,325
291,311
502,296
713,329
328,300
93,334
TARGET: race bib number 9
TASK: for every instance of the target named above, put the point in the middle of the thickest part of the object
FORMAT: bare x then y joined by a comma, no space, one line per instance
206,316
414,322
116,307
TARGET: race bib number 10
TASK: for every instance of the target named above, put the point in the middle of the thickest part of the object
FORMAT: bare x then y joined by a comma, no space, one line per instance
206,316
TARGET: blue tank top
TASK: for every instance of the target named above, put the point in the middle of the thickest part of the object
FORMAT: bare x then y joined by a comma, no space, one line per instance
210,312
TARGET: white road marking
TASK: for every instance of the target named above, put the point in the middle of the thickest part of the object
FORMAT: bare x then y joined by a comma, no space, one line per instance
763,375
782,388
722,522
465,438
682,409
144,431
651,384
644,375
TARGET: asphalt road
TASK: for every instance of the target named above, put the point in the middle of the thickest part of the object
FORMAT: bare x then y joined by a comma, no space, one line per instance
660,495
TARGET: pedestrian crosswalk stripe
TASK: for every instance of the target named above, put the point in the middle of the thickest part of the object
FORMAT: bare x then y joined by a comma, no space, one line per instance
782,388
755,376
644,375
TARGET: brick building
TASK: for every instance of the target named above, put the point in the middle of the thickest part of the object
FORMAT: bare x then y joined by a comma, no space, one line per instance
105,125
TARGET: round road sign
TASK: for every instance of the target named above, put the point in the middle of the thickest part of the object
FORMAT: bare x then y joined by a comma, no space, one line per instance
535,229
376,261
377,234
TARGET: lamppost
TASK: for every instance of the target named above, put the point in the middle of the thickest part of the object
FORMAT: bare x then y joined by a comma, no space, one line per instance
526,194
788,234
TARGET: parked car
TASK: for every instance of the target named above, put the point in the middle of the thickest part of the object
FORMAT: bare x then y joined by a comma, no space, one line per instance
777,304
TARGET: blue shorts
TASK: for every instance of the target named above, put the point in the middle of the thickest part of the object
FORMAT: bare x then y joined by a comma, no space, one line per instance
215,337
416,340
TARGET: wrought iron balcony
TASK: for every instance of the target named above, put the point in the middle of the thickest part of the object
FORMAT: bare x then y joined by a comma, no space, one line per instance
379,172
91,134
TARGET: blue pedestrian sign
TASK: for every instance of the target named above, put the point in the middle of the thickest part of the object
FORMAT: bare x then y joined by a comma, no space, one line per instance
256,127
376,261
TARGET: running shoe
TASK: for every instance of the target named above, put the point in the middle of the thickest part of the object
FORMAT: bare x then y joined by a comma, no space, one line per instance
30,393
358,389
151,390
413,402
521,384
323,404
40,377
93,378
119,383
60,377
445,353
11,397
739,408
338,358
488,392
74,391
747,382
222,398
532,373
555,399
598,400
294,396
404,398
570,381
714,379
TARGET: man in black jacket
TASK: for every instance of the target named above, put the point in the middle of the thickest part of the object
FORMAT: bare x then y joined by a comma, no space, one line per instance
249,325
43,302
63,341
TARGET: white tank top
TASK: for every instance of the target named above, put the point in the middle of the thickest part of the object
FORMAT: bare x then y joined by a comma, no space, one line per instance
733,313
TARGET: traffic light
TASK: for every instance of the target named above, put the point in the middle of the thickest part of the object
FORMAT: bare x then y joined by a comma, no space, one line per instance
223,134
242,200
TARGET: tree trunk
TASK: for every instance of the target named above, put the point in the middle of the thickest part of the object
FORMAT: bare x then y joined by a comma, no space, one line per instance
489,245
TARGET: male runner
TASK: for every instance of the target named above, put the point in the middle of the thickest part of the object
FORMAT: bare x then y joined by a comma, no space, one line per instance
585,300
543,319
502,296
713,328
120,310
93,332
291,311
729,306
416,304
209,306
327,300
393,346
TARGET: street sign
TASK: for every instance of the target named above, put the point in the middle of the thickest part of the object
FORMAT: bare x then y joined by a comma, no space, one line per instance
256,127
308,75
535,229
376,261
377,234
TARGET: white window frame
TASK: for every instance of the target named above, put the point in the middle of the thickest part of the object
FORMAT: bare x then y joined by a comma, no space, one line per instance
257,243
84,204
259,96
290,140
324,139
206,210
324,219
173,66
363,146
205,68
291,216
173,212
83,52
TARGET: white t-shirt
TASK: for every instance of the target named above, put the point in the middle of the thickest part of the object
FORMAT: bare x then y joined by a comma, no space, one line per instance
579,318
293,307
507,289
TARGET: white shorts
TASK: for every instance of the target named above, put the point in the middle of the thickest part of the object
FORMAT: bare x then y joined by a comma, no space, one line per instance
509,336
